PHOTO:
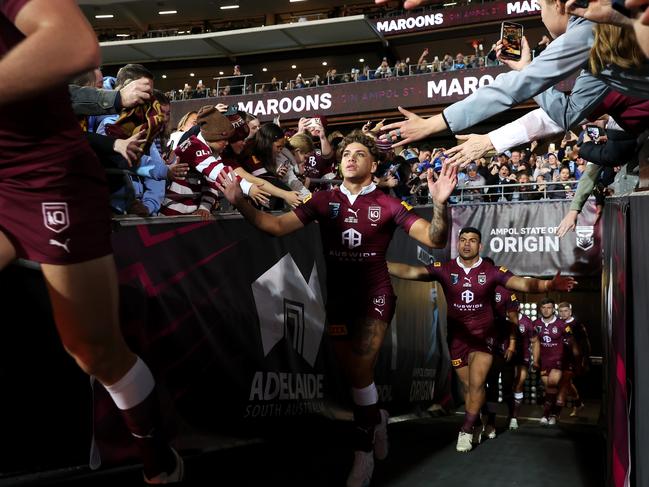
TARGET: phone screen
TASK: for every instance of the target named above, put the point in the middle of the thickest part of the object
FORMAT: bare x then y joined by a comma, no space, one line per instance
592,131
512,36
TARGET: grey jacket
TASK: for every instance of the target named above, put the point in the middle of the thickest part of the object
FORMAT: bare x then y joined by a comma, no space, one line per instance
87,100
565,55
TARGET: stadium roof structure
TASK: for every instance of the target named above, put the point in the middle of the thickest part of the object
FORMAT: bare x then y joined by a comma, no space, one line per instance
284,37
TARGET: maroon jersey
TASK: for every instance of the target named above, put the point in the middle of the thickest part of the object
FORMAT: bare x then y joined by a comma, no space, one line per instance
355,236
25,141
505,301
469,295
317,167
526,332
554,336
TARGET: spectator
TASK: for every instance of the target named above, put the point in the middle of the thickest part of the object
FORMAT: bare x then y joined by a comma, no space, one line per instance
422,63
473,185
501,177
187,121
459,62
526,193
383,71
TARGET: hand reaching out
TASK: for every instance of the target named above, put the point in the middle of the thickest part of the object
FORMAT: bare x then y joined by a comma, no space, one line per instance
131,148
441,189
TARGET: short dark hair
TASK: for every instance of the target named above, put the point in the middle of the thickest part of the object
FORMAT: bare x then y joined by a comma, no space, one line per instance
131,72
546,301
471,230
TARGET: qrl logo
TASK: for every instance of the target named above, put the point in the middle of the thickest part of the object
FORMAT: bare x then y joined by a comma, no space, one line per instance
467,296
55,216
352,238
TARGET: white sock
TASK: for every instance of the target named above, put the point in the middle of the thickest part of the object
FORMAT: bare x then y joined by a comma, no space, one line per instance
365,396
518,396
134,387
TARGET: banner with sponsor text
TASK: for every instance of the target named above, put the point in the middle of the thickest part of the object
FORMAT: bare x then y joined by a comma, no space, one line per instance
523,237
449,17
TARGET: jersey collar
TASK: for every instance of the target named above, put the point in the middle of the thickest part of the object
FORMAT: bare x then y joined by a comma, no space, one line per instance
352,197
570,320
554,318
468,269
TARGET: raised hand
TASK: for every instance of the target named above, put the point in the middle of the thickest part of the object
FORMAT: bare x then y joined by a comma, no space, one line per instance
413,128
526,55
131,148
136,92
562,283
441,189
472,148
567,224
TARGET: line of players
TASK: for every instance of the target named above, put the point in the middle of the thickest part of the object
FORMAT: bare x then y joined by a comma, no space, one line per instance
488,336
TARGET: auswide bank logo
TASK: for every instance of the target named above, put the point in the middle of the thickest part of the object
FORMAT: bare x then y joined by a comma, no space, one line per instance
289,307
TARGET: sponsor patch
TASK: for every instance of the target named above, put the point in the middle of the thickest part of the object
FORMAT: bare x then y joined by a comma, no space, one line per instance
406,206
437,264
456,362
307,198
568,329
503,269
455,278
513,298
337,330
334,210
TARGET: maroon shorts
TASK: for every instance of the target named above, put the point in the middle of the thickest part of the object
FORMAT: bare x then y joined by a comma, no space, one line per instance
345,313
460,349
551,362
58,212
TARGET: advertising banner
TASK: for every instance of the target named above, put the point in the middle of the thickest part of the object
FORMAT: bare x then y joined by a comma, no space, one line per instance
450,17
522,237
432,89
232,321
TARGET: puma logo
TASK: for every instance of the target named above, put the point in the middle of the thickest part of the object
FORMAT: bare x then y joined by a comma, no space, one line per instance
354,212
64,246
380,311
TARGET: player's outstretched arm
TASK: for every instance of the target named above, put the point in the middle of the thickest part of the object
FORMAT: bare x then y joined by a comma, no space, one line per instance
435,233
409,272
530,285
274,225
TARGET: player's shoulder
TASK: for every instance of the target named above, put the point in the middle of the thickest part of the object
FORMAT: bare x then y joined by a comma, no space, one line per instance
389,201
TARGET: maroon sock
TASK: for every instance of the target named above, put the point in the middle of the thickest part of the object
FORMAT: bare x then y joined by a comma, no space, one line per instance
145,424
556,410
365,419
550,399
469,421
516,408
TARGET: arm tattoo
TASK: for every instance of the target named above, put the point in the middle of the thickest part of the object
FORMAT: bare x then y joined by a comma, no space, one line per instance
438,232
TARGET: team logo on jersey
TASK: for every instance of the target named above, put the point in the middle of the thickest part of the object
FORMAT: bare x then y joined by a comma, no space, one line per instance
568,330
374,213
334,210
513,297
585,239
503,269
482,279
352,238
379,300
521,328
467,296
456,362
55,216
498,297
555,330
307,198
437,264
455,278
406,206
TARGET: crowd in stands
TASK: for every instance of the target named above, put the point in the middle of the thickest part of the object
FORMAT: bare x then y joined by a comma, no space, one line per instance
239,83
153,173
